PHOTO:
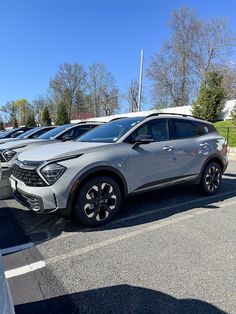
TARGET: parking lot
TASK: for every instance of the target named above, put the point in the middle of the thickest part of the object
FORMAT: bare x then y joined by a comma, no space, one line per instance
168,251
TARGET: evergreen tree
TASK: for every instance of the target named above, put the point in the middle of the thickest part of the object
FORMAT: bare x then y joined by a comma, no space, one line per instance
30,120
211,99
15,123
62,114
46,118
2,126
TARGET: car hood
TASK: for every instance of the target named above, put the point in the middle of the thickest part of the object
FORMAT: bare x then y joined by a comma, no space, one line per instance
7,140
60,150
19,143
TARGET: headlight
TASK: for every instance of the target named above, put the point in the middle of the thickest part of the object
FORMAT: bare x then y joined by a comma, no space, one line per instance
9,154
52,172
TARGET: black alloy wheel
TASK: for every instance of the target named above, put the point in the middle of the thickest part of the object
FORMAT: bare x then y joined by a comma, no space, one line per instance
211,178
98,201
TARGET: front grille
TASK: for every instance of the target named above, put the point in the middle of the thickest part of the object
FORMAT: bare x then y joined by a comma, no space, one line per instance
29,201
29,176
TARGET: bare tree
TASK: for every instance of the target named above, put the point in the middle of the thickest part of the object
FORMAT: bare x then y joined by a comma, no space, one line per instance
213,42
39,104
132,95
10,110
195,47
69,80
103,94
228,72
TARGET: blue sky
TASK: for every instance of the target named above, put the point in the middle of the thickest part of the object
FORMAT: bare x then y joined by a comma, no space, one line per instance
37,35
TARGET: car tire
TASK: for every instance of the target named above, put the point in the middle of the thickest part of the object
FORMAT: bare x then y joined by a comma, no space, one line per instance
211,178
97,202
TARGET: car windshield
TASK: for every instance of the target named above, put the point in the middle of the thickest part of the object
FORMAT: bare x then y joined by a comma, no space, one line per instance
25,135
8,133
110,132
54,132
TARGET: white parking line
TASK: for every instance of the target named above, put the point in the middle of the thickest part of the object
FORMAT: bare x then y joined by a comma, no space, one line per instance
151,227
24,269
166,208
17,248
151,212
128,235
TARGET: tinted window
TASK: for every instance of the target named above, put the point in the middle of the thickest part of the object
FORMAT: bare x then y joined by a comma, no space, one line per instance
182,129
5,134
70,132
52,133
110,132
29,132
83,129
156,129
10,133
40,132
211,128
17,133
204,128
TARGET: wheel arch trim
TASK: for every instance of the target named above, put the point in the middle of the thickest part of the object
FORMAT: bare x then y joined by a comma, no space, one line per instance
102,170
212,158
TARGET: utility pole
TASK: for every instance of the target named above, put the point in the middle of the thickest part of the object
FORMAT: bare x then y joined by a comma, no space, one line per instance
140,82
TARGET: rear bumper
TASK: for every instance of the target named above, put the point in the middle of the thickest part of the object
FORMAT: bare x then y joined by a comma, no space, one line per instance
225,165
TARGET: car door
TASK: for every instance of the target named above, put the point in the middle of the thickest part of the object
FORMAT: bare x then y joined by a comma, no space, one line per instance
185,141
154,162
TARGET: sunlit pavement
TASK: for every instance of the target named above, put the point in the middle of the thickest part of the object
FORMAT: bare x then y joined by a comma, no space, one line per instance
168,251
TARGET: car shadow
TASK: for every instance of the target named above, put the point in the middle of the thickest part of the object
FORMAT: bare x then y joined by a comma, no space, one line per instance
136,210
118,299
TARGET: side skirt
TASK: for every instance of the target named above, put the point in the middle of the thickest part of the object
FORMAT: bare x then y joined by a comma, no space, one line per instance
166,183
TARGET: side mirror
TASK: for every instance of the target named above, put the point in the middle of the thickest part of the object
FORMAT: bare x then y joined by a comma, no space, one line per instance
142,139
67,138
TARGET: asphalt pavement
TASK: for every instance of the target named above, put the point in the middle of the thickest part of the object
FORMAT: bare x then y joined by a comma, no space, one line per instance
168,251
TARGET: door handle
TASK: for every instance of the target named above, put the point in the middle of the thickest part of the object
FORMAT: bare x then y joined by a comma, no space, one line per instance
168,148
204,145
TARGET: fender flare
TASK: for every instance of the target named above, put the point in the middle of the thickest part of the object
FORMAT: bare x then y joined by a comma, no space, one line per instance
98,169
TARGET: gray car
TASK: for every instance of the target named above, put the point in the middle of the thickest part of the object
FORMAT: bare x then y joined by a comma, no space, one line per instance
91,176
66,132
6,303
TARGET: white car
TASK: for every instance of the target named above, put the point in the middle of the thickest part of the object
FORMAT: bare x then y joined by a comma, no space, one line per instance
6,303
67,132
30,134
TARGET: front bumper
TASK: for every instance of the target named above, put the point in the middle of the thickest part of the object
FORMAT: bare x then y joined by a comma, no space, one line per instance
30,201
41,200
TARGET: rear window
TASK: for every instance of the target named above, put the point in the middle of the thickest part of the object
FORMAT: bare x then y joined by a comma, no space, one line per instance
180,128
204,128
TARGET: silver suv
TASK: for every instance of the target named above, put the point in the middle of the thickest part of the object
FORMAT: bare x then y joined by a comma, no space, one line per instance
90,177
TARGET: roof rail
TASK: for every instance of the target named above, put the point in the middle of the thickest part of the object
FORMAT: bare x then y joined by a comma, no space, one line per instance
117,118
172,113
90,121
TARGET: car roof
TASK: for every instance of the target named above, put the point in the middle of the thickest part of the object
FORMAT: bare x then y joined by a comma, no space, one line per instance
176,115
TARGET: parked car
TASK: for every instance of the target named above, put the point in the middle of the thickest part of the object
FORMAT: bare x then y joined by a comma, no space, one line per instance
67,132
91,176
6,303
13,133
32,133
